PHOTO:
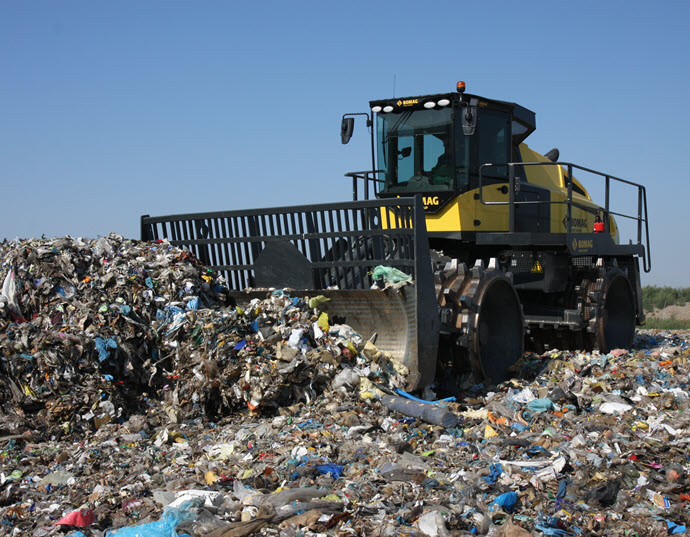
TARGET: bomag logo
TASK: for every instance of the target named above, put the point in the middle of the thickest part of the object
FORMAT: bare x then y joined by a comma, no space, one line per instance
577,223
430,200
408,102
583,244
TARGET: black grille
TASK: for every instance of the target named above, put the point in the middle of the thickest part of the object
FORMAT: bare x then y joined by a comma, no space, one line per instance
339,243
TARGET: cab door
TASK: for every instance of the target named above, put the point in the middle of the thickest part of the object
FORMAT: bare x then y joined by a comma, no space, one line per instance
492,145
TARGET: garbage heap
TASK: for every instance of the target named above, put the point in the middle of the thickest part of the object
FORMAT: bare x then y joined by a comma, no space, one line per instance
93,331
138,400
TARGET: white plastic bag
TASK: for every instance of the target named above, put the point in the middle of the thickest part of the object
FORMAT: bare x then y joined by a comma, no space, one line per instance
9,293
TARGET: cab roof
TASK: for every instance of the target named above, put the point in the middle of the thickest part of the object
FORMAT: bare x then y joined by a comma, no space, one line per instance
525,118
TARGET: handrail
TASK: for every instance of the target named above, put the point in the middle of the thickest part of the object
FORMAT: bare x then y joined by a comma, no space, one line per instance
364,176
641,218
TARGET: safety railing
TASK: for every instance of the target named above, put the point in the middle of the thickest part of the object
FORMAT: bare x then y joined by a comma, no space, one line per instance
336,244
641,218
368,178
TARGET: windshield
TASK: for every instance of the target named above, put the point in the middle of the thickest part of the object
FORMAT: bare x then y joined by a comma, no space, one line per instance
415,151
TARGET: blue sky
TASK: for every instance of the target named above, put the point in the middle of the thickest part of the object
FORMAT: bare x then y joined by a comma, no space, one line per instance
111,110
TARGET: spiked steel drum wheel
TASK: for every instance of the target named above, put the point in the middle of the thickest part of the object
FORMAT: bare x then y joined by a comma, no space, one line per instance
497,328
614,303
487,316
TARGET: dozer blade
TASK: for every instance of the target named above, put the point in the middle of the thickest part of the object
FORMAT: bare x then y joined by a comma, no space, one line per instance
393,319
329,250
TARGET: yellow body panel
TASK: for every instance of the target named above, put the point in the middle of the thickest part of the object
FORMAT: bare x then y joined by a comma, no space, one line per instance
546,176
458,215
550,177
553,179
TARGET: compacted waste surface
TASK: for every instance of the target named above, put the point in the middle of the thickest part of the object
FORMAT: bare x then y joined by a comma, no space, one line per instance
138,399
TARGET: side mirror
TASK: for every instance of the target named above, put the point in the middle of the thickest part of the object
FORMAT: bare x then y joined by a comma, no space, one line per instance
346,128
469,120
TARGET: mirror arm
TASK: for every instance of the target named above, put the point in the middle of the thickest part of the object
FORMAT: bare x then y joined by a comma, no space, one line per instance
347,126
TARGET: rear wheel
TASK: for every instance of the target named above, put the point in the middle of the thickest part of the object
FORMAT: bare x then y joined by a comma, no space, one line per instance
612,301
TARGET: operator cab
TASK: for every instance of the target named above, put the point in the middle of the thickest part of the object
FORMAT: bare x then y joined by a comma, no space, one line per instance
435,144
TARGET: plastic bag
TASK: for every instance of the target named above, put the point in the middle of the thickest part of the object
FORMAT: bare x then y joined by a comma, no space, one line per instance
163,527
287,497
347,377
243,493
78,517
392,277
9,293
102,346
335,470
540,405
506,501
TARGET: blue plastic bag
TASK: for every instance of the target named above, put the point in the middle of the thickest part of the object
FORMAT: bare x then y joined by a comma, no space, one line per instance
506,501
102,346
336,470
675,529
194,304
540,405
163,527
562,486
496,471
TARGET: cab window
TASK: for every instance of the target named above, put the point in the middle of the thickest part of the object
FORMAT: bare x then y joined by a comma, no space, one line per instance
493,129
415,151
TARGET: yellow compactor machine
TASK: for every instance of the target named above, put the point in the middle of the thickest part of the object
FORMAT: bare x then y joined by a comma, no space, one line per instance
505,248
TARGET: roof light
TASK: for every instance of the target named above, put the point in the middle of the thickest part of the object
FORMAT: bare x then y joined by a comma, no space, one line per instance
429,104
461,87
444,102
388,108
376,109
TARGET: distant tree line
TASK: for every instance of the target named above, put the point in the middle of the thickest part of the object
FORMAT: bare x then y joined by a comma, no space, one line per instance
660,297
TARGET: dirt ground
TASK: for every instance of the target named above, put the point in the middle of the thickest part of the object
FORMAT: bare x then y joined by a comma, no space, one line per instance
680,313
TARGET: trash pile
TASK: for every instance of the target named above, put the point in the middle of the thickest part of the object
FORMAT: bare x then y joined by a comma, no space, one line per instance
95,331
137,399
